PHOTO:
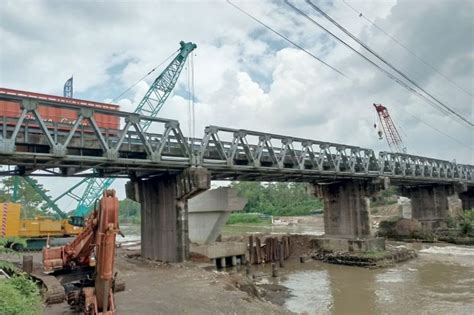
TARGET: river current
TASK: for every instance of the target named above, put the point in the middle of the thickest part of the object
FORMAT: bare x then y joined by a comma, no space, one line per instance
439,281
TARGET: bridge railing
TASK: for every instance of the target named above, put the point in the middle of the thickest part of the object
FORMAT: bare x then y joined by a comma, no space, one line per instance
407,165
264,150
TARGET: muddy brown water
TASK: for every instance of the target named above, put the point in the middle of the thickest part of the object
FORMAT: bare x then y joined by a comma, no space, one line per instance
439,281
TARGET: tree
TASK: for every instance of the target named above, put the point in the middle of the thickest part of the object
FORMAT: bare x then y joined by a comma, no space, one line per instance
282,199
129,211
15,189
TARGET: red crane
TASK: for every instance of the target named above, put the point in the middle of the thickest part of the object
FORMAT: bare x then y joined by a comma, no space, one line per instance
391,133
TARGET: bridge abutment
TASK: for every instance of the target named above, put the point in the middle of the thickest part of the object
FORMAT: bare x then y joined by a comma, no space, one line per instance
347,215
433,205
164,212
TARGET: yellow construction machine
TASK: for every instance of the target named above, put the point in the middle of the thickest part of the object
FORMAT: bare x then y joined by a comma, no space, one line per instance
36,231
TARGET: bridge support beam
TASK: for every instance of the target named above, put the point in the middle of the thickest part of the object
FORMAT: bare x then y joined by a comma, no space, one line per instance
164,212
433,205
347,215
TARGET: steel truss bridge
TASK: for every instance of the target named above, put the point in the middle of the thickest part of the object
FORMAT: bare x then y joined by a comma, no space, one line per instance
29,144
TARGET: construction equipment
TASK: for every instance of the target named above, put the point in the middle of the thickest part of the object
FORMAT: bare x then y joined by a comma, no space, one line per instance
35,231
56,224
85,266
53,222
389,129
150,105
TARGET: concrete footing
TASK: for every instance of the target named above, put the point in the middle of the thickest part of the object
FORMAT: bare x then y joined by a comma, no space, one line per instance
222,254
332,244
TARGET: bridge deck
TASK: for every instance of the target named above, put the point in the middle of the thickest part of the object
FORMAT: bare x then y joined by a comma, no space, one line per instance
73,147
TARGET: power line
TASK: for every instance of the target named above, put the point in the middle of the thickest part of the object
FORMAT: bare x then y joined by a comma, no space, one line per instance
146,75
449,109
391,76
442,107
426,63
438,130
285,38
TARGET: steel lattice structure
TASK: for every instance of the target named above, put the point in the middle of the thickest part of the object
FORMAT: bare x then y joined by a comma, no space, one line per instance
389,129
150,105
63,149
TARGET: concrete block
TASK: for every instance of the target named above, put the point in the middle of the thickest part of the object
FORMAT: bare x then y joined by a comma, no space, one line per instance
219,250
209,211
404,205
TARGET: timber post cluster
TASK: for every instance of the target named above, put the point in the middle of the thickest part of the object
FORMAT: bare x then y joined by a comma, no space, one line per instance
270,249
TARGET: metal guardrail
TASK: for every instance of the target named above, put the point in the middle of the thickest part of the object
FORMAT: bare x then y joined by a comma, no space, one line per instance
33,143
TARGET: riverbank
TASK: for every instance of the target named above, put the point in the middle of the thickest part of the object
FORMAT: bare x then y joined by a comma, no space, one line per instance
183,288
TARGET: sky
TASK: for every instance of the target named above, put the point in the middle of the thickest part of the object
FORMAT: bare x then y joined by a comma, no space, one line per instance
247,77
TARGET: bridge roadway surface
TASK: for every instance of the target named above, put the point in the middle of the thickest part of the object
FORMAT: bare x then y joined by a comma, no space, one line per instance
74,148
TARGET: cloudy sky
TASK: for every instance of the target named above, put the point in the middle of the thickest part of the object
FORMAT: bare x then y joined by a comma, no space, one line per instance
247,77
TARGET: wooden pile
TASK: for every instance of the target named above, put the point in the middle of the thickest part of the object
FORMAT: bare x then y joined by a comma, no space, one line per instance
271,249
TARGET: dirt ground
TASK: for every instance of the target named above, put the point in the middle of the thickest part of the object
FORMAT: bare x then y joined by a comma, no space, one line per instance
155,288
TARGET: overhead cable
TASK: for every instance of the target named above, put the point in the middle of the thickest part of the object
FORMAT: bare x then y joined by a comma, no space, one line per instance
439,105
450,110
285,38
146,75
399,43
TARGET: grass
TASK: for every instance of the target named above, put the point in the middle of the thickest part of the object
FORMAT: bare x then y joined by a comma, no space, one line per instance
19,295
247,218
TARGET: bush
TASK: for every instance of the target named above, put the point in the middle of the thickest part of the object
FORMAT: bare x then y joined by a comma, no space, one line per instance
19,295
253,218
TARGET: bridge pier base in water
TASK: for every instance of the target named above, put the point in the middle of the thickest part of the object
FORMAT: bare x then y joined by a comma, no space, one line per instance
347,215
433,205
164,212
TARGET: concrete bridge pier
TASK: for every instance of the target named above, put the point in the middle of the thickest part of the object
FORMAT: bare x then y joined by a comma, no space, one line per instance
432,205
347,215
164,212
467,198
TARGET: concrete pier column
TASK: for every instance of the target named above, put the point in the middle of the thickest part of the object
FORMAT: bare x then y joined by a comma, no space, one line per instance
164,212
467,198
346,209
347,223
432,205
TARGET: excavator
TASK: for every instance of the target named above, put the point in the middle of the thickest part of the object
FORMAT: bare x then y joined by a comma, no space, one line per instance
82,271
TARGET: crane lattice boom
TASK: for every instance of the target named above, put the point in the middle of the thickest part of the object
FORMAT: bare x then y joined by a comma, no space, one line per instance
150,105
389,129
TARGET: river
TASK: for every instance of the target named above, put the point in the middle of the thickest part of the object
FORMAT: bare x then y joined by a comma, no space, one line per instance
439,281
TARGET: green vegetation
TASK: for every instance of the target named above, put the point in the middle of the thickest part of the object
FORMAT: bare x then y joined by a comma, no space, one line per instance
278,199
5,243
129,211
384,198
29,199
18,295
247,218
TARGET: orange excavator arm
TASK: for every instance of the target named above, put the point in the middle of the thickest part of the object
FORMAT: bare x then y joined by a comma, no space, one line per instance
95,246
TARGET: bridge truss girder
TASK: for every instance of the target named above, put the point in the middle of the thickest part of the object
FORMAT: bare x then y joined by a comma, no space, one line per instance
64,149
